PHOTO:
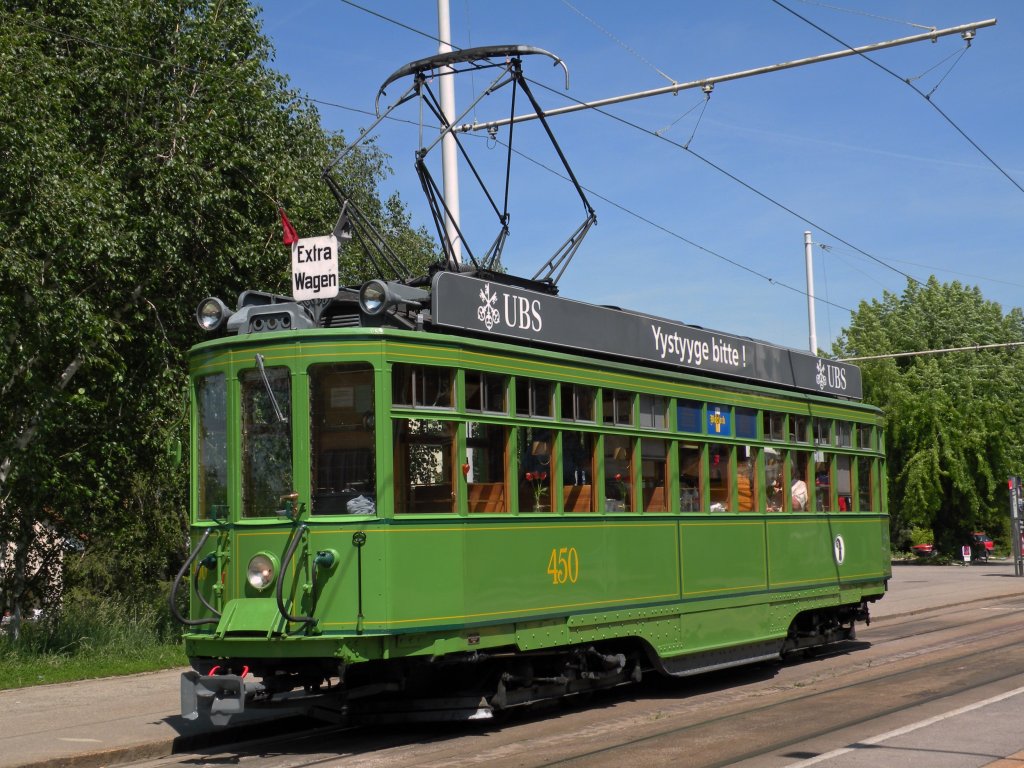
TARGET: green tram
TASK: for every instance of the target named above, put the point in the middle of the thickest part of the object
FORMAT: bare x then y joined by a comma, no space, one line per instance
473,493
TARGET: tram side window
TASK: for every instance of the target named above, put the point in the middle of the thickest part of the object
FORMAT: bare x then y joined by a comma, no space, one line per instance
617,407
798,428
799,496
865,437
774,425
653,412
653,474
822,430
823,481
746,479
342,435
486,449
774,479
578,472
422,386
618,477
690,499
689,416
486,392
424,457
865,500
534,397
266,441
578,403
211,407
844,437
719,476
536,478
746,423
844,484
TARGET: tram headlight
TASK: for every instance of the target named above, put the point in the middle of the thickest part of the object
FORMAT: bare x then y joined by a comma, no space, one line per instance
373,297
377,295
212,313
261,571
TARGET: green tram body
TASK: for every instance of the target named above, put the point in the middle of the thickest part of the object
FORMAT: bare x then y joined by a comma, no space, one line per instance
435,566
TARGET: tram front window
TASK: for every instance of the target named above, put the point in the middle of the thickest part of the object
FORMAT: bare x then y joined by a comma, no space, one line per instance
212,410
266,441
342,434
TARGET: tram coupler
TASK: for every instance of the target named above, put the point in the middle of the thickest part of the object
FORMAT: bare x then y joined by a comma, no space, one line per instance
220,697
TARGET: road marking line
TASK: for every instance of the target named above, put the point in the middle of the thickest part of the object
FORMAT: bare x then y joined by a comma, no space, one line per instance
906,729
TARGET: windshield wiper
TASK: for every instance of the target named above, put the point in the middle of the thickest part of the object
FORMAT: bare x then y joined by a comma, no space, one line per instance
270,391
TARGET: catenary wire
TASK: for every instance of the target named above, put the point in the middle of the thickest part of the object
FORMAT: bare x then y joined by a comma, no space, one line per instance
918,91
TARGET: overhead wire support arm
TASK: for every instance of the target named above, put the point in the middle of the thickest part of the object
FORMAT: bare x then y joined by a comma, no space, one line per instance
933,35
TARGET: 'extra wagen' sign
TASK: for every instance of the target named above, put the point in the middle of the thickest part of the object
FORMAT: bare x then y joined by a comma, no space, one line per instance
460,301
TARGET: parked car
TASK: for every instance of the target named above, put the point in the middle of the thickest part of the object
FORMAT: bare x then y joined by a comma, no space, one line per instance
923,550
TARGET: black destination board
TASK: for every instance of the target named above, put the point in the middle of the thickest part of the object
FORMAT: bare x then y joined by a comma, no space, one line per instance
505,311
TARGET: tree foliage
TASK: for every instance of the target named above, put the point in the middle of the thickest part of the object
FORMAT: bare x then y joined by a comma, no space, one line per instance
954,424
145,144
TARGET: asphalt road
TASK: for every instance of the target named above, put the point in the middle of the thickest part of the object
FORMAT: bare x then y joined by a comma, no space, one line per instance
939,660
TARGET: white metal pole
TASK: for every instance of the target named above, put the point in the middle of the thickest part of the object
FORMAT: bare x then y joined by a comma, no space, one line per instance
809,264
449,149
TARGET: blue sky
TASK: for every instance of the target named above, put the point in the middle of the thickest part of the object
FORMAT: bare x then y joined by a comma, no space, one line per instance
841,144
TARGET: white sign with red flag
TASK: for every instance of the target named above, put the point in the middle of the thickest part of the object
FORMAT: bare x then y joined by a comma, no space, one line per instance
315,268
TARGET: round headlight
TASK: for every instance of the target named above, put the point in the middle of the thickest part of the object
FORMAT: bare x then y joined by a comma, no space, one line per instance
373,297
261,571
212,313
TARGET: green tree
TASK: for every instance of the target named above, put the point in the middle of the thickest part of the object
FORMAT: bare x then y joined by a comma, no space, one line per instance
145,144
954,424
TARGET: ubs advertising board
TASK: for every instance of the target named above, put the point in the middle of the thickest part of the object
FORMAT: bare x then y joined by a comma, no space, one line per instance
472,304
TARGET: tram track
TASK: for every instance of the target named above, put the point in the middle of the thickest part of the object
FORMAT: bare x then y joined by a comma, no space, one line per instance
717,720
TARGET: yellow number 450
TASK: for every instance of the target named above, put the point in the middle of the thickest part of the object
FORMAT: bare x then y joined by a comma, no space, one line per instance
564,565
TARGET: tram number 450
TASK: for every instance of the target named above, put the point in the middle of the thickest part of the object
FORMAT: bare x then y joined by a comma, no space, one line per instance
564,565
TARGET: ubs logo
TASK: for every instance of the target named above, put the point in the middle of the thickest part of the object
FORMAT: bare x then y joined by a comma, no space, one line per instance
831,376
503,308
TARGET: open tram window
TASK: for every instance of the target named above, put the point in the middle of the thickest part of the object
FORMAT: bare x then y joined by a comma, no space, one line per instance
342,436
212,410
690,499
823,481
822,431
720,476
266,440
774,424
844,483
486,392
422,386
844,434
486,449
774,479
865,496
746,479
578,402
653,412
617,407
536,469
424,457
653,475
578,472
618,473
798,428
799,497
534,397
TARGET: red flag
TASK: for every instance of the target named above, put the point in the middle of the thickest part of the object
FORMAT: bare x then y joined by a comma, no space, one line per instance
290,235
